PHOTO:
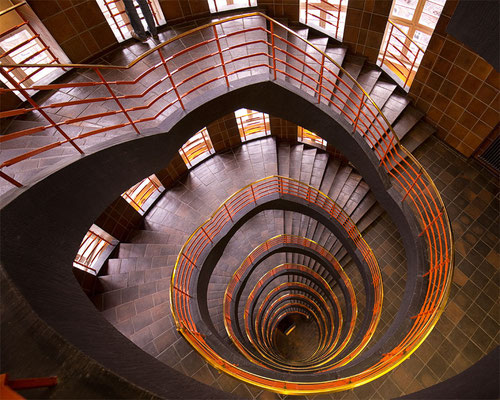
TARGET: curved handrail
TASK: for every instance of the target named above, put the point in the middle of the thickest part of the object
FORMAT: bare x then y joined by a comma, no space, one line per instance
247,263
248,314
417,189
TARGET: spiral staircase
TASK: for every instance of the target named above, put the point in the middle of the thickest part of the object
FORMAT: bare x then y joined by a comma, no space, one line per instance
281,257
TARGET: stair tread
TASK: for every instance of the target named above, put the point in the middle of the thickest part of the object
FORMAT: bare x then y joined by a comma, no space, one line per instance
408,120
419,134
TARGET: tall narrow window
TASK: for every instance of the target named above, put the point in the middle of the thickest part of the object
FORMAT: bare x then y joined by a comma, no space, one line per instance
114,12
142,195
95,248
408,32
252,124
197,148
308,137
223,5
325,15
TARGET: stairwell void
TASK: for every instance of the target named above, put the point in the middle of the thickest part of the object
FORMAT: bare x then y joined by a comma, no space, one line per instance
250,62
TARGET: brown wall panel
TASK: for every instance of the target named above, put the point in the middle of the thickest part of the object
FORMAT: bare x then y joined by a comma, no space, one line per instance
77,25
457,89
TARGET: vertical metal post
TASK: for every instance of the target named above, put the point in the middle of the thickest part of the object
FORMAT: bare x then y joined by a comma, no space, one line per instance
170,79
114,20
307,9
220,54
388,41
37,107
228,213
321,72
338,19
412,65
359,112
116,99
273,49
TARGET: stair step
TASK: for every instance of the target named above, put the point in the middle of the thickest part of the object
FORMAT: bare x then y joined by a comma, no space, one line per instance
367,79
135,250
330,173
356,197
340,179
319,167
148,237
313,64
369,217
353,65
296,152
284,159
108,283
407,121
348,189
418,135
295,68
307,165
331,72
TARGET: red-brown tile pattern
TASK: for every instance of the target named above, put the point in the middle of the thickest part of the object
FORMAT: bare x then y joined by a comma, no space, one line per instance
173,171
119,219
365,25
78,26
457,89
224,133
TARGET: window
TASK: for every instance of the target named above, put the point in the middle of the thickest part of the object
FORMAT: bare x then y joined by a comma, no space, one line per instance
223,5
94,250
327,15
409,30
21,44
197,148
252,124
114,12
308,137
142,195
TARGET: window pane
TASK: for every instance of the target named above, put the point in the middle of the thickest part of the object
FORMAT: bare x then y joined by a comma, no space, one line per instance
404,8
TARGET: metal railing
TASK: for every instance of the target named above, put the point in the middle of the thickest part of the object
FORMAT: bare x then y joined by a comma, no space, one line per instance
114,12
29,48
252,123
197,146
185,74
311,138
92,246
324,14
248,314
141,192
327,348
401,54
288,186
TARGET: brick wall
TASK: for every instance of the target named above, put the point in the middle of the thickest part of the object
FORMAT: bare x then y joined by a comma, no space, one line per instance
77,25
457,89
282,129
119,219
365,25
281,8
179,10
224,133
174,171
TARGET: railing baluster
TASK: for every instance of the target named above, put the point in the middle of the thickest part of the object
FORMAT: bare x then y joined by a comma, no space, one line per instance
220,54
359,112
25,94
387,43
171,79
321,77
110,90
273,46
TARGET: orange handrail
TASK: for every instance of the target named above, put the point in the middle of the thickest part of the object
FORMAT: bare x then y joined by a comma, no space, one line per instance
336,89
399,57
